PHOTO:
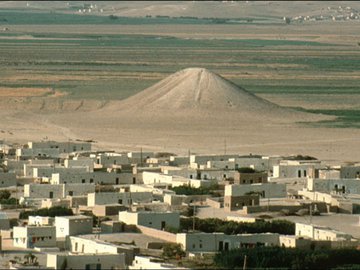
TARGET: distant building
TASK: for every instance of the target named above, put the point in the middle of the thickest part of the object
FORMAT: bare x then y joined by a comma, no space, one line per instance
73,225
34,236
156,220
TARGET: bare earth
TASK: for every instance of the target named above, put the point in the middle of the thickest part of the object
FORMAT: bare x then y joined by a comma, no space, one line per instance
194,110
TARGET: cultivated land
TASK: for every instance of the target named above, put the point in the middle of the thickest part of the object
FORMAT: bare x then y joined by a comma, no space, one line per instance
74,69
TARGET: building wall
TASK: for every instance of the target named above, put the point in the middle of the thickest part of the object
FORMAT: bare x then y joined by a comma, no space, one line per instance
292,171
233,203
63,147
34,236
156,220
86,261
250,178
7,179
80,162
124,198
74,225
330,185
213,242
268,190
350,172
56,191
304,230
112,178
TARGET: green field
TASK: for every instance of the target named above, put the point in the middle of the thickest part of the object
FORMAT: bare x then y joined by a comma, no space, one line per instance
114,66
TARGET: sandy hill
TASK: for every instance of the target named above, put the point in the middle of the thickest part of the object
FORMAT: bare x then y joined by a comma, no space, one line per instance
198,92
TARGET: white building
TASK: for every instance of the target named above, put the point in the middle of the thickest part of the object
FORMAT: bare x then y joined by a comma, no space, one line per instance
108,160
214,242
34,236
73,225
124,198
142,262
112,178
7,179
351,172
40,221
296,168
156,220
320,232
351,186
57,191
85,261
4,221
267,190
63,147
96,246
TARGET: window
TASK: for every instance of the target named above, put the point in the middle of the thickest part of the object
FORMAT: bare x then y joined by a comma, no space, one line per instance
91,180
299,173
304,173
71,193
83,181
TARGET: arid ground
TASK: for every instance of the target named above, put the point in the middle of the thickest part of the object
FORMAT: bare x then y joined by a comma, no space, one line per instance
65,76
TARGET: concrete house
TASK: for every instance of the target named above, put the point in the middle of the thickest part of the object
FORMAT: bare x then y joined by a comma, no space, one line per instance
34,236
123,198
296,168
352,172
73,225
108,160
250,178
95,246
139,157
156,220
40,221
63,147
4,221
324,233
34,191
237,196
80,162
339,186
142,262
7,179
97,177
85,261
214,242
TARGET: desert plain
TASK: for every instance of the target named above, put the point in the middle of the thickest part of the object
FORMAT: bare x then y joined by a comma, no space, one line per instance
248,84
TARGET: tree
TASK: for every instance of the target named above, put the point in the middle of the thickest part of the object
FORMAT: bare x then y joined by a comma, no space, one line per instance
246,170
55,211
172,250
4,194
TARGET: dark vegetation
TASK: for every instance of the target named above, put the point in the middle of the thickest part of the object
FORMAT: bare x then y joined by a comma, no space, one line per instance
5,197
246,170
287,258
188,190
300,157
210,225
55,211
173,250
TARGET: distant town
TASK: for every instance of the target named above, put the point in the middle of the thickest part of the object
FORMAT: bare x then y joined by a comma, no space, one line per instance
66,206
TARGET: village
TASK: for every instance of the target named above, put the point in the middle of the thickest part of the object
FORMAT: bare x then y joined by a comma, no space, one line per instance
66,206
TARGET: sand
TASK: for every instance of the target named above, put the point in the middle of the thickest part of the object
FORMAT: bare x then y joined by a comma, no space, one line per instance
193,114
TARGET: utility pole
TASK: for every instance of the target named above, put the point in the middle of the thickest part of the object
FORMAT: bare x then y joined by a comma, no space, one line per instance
244,266
194,218
141,157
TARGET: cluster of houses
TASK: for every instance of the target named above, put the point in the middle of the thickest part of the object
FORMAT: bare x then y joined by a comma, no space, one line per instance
340,13
126,208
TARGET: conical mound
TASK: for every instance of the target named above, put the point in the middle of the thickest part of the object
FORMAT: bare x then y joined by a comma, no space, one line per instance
195,88
197,93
